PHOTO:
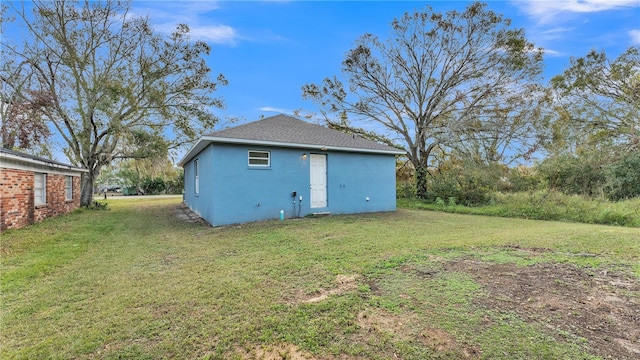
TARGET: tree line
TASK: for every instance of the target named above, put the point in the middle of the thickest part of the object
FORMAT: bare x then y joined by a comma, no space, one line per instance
461,92
141,177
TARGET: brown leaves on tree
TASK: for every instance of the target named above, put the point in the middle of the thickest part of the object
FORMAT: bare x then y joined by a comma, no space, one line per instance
22,125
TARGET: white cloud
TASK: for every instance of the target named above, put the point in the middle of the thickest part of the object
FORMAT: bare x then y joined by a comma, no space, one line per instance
541,35
218,34
553,53
165,16
276,109
545,10
196,7
557,32
635,36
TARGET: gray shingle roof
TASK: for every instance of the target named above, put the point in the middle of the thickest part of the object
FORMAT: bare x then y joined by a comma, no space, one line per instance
289,130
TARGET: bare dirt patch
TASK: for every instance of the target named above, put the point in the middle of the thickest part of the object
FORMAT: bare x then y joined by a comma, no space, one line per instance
600,306
284,352
438,339
378,320
275,352
407,326
344,284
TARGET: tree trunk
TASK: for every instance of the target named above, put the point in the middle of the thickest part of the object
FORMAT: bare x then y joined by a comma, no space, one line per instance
421,181
88,180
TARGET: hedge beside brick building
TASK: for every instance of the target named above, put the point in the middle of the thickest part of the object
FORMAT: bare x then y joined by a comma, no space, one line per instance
34,188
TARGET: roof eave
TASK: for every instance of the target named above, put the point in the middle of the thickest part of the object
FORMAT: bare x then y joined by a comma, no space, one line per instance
200,145
50,164
206,140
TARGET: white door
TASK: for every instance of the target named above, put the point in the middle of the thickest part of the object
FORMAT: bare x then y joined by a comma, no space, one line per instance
318,181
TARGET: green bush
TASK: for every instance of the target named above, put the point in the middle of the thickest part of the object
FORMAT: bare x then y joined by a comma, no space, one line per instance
443,186
521,179
623,178
153,186
547,205
96,205
175,185
470,184
553,205
573,175
405,190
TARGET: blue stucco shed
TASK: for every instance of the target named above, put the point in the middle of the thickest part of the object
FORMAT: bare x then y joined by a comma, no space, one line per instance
285,165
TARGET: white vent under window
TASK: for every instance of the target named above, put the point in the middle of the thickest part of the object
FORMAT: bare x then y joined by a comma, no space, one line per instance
259,158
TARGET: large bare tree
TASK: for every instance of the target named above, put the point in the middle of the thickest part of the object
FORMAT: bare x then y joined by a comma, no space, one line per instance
506,129
599,96
435,81
118,89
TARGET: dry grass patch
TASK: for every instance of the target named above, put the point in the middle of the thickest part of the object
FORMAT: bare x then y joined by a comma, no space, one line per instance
344,284
273,352
374,321
438,339
406,326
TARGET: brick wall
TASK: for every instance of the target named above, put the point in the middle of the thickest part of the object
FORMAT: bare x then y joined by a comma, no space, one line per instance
17,204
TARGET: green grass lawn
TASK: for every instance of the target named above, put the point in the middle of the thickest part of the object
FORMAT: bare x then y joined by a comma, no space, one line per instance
136,282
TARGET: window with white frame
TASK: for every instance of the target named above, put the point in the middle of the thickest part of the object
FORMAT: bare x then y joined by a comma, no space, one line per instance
196,172
259,158
40,189
68,188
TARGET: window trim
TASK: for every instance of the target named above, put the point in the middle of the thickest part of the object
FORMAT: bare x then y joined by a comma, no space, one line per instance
260,166
196,172
42,199
68,188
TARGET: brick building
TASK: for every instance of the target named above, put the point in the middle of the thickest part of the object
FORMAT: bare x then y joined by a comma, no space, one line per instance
34,188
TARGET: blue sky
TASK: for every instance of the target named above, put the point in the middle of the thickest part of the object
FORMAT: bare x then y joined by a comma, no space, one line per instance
269,49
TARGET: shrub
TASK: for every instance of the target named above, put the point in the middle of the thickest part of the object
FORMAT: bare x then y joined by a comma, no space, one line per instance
547,205
96,205
405,190
623,178
573,175
153,186
521,179
553,205
443,186
467,187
